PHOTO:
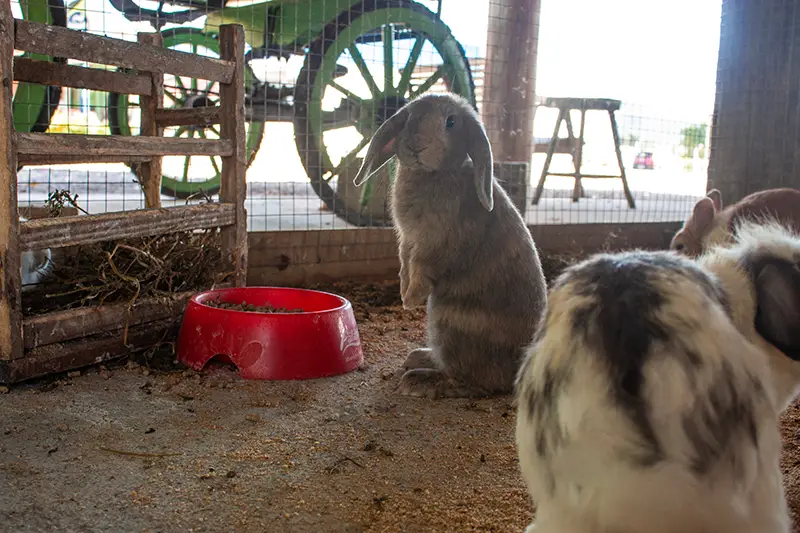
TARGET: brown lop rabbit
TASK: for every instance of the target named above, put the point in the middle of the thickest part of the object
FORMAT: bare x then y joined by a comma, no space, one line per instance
464,248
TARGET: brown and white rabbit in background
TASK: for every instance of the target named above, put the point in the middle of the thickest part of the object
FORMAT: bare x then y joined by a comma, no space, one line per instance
35,265
463,247
710,224
649,401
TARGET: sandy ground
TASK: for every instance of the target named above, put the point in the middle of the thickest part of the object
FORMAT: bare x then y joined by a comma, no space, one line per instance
146,446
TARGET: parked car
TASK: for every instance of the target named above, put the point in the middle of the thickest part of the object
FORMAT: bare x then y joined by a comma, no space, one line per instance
644,160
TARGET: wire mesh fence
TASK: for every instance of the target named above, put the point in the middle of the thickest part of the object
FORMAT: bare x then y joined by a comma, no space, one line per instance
321,76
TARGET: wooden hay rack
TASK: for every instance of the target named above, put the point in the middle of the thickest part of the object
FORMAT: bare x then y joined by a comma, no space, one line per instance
64,340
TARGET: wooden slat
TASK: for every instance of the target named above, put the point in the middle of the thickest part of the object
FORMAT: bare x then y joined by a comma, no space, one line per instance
10,282
232,181
66,159
50,73
83,322
56,232
34,211
590,176
305,257
54,358
196,116
150,172
117,145
61,42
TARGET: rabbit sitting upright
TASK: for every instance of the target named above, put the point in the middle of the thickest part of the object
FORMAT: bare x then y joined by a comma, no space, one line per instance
464,248
649,400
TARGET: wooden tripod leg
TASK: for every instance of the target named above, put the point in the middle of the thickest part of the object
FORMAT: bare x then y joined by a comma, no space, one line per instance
625,187
550,151
578,189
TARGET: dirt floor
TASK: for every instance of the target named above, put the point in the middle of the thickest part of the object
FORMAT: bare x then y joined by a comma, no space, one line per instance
147,446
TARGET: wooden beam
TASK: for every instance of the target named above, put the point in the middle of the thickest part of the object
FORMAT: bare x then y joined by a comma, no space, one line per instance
34,211
61,357
117,145
73,231
196,116
150,172
71,159
72,324
309,256
10,282
61,42
232,182
510,78
51,73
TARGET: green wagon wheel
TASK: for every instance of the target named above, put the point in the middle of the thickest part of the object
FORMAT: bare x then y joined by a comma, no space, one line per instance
331,139
184,176
34,105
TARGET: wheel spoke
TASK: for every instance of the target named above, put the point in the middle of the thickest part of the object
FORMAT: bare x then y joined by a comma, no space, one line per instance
388,58
201,134
209,85
179,82
349,94
358,59
216,131
172,97
408,69
186,170
430,82
349,158
216,166
334,120
180,131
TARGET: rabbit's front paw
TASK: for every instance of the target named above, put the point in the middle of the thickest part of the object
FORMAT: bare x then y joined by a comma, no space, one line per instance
416,293
420,358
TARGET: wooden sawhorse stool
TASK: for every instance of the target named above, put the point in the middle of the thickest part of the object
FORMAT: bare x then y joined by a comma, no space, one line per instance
565,105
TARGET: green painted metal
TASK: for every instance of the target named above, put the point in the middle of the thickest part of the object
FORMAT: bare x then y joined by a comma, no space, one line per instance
30,98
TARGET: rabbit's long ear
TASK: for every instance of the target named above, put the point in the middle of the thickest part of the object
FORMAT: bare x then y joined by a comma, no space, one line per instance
480,151
381,146
777,285
716,197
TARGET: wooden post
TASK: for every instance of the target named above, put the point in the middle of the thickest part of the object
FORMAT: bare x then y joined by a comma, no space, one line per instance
10,282
754,140
510,78
232,181
150,172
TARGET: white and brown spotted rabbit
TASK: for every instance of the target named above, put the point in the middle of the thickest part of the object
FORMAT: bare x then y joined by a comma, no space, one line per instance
649,401
464,249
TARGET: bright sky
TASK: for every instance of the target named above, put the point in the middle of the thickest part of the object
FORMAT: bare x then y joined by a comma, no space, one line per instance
654,53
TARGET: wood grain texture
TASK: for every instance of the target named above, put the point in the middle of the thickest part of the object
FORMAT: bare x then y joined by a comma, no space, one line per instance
86,229
232,183
10,282
60,357
72,159
509,102
50,73
117,145
62,42
196,116
149,172
72,324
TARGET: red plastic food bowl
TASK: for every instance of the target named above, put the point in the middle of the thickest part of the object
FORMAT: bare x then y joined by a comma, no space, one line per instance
321,341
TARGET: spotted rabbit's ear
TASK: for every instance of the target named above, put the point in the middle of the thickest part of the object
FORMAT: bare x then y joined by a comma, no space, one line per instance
777,284
381,147
480,151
